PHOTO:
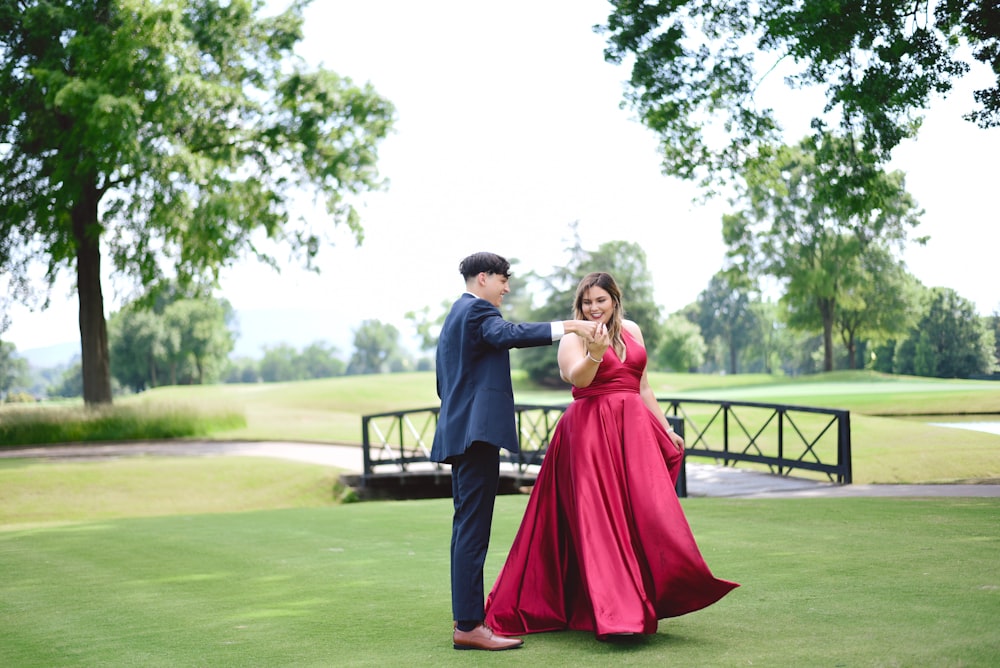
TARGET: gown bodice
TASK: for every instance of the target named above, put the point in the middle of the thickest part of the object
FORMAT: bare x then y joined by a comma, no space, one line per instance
615,375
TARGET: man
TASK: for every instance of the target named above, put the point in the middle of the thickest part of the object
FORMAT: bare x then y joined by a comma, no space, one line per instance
476,420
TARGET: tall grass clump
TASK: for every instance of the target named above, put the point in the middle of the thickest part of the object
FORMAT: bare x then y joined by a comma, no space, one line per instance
46,425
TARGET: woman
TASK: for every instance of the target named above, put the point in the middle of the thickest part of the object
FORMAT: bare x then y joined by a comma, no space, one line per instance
604,545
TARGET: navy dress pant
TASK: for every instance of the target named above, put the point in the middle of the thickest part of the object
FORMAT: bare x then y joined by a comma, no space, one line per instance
475,476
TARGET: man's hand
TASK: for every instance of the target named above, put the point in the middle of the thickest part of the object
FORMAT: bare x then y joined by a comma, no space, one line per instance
586,329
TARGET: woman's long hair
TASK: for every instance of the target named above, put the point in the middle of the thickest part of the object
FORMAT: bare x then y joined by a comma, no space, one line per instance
607,282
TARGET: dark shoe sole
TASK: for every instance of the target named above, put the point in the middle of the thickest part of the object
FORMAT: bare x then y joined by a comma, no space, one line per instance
487,649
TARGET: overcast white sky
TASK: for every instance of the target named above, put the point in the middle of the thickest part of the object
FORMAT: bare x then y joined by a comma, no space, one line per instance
509,129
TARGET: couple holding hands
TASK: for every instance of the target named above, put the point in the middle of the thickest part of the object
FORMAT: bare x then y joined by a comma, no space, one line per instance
604,545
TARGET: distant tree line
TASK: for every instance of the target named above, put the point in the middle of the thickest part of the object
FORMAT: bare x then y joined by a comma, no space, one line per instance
175,339
377,349
189,340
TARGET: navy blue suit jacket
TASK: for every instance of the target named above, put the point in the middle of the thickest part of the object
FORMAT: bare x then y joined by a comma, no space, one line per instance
473,376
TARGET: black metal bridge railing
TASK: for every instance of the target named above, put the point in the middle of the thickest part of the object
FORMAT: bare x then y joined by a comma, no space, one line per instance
780,438
783,438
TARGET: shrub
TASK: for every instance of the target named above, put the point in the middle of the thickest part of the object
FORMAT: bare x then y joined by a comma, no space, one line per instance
39,426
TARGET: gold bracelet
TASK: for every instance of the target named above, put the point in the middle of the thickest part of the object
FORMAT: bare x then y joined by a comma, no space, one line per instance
592,359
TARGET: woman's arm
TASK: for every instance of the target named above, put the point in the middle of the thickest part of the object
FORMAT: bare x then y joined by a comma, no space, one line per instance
647,394
578,360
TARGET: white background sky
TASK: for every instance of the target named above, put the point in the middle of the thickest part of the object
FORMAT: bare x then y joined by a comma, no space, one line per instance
509,129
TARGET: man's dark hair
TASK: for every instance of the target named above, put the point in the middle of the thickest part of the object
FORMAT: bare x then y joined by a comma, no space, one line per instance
491,263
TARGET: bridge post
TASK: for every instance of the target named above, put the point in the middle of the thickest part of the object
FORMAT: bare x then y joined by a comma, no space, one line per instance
844,449
682,485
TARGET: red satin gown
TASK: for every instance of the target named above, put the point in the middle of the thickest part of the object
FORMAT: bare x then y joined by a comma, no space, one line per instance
604,545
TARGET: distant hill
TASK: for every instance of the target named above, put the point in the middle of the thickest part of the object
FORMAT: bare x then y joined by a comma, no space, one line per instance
50,356
260,328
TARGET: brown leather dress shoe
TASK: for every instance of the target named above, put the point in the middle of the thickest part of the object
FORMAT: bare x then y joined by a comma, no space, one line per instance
482,637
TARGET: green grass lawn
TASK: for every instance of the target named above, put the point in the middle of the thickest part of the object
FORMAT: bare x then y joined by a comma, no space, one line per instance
41,492
825,582
231,561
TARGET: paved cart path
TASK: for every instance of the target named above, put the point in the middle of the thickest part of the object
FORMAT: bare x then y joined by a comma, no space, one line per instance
702,479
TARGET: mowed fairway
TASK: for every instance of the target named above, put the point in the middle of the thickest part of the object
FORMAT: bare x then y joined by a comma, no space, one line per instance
825,582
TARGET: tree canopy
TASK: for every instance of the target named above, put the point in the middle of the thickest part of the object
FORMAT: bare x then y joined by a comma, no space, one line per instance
725,314
949,340
174,136
180,341
808,218
877,306
698,66
682,347
376,348
13,369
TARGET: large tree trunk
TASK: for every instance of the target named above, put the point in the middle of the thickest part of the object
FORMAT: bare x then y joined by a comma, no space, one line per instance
826,307
93,328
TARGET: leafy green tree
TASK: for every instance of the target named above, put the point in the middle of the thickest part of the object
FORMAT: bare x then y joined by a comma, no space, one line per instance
376,346
809,215
243,370
174,133
883,356
878,306
205,339
896,353
427,326
993,324
770,349
279,364
951,340
13,368
725,314
681,347
697,67
43,379
175,340
70,385
320,360
904,357
138,341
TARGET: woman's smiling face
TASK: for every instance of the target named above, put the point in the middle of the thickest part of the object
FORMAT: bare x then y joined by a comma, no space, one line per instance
597,304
